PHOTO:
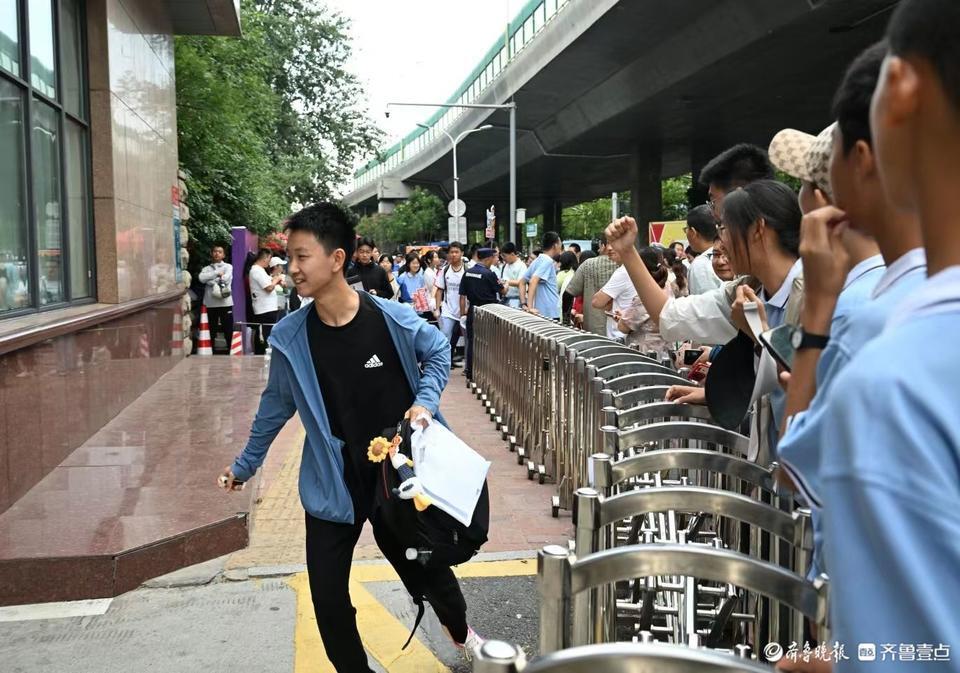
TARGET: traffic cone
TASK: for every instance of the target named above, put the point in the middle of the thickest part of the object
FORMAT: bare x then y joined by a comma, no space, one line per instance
204,343
176,338
236,343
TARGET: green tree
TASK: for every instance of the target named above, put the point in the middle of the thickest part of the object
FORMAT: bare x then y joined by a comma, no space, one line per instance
674,197
588,220
420,218
378,227
268,120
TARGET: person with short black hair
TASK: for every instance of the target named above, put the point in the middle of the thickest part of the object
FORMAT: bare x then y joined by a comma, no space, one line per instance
266,307
575,249
472,255
511,273
480,287
373,277
701,230
447,294
738,166
589,278
541,277
217,278
889,479
372,362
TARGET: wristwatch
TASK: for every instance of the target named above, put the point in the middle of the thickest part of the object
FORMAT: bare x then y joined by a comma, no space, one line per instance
801,340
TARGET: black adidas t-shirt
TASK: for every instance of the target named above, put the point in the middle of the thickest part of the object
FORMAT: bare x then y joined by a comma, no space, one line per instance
364,389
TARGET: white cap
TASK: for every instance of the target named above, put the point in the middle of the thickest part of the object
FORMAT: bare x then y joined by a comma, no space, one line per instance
276,261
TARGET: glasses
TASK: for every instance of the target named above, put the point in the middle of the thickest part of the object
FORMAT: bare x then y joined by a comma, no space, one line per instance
711,255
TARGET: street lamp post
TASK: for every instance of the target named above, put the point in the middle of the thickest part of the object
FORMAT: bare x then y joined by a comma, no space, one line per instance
512,107
456,177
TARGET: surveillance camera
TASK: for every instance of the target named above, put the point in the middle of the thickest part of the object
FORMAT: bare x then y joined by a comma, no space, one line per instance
387,114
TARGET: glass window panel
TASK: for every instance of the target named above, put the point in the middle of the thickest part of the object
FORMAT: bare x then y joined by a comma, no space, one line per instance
71,60
43,75
14,245
541,14
45,151
527,30
9,37
78,205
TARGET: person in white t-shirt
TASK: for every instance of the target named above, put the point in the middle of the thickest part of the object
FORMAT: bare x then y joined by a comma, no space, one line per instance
447,293
511,272
615,297
263,295
701,231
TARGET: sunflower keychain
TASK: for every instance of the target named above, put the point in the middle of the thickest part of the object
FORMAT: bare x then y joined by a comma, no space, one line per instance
410,487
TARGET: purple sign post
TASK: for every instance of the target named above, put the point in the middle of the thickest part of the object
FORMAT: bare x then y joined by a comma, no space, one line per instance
244,241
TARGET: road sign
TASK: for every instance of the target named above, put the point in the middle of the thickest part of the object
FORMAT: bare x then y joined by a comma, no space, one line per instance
532,230
491,231
457,208
457,228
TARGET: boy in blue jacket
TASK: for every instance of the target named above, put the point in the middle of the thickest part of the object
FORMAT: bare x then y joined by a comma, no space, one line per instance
351,364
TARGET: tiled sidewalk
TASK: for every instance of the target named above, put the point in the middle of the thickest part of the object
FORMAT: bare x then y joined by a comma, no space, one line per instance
520,509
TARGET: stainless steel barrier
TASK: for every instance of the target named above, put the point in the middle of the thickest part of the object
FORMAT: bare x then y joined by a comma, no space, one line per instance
564,582
546,387
685,539
496,656
607,474
658,515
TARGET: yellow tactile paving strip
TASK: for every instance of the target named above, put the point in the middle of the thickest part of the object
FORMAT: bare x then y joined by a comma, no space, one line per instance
278,536
381,632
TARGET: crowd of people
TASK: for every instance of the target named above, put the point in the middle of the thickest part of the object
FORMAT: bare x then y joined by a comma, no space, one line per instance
862,267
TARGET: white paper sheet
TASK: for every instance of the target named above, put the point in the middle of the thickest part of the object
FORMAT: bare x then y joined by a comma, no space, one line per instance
451,472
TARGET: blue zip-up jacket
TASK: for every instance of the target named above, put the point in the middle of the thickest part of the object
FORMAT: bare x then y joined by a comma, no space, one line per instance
293,387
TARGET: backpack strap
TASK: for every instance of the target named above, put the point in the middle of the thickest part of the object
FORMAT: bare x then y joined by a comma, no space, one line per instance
421,609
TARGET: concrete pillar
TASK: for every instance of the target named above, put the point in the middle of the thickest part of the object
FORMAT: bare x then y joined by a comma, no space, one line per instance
701,153
553,217
385,207
646,198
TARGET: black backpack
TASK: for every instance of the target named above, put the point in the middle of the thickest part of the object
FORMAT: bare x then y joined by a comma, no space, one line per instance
431,537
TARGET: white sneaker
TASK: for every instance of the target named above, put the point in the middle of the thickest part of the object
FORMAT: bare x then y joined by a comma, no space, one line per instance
469,648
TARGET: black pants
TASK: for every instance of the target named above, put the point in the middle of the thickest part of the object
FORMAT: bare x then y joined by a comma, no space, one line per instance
329,556
221,320
266,321
468,346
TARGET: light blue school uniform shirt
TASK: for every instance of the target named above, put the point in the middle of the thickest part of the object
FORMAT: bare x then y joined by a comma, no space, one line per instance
855,297
547,301
891,484
409,285
866,314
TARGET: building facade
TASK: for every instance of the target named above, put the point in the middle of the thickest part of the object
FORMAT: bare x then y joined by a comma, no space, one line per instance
91,288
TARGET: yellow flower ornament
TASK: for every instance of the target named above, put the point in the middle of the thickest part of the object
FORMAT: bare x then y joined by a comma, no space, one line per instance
378,450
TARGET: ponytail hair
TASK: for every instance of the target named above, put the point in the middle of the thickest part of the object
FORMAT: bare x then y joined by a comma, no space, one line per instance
653,260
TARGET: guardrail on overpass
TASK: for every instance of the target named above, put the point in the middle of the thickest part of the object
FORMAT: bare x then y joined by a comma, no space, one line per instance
525,28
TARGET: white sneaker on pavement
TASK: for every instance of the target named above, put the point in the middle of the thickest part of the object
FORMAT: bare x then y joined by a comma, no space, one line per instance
468,649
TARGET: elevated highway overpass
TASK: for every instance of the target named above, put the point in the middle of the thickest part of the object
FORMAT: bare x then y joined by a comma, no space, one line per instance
615,95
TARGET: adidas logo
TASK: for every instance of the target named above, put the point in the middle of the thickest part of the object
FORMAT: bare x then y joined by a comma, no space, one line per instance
373,362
